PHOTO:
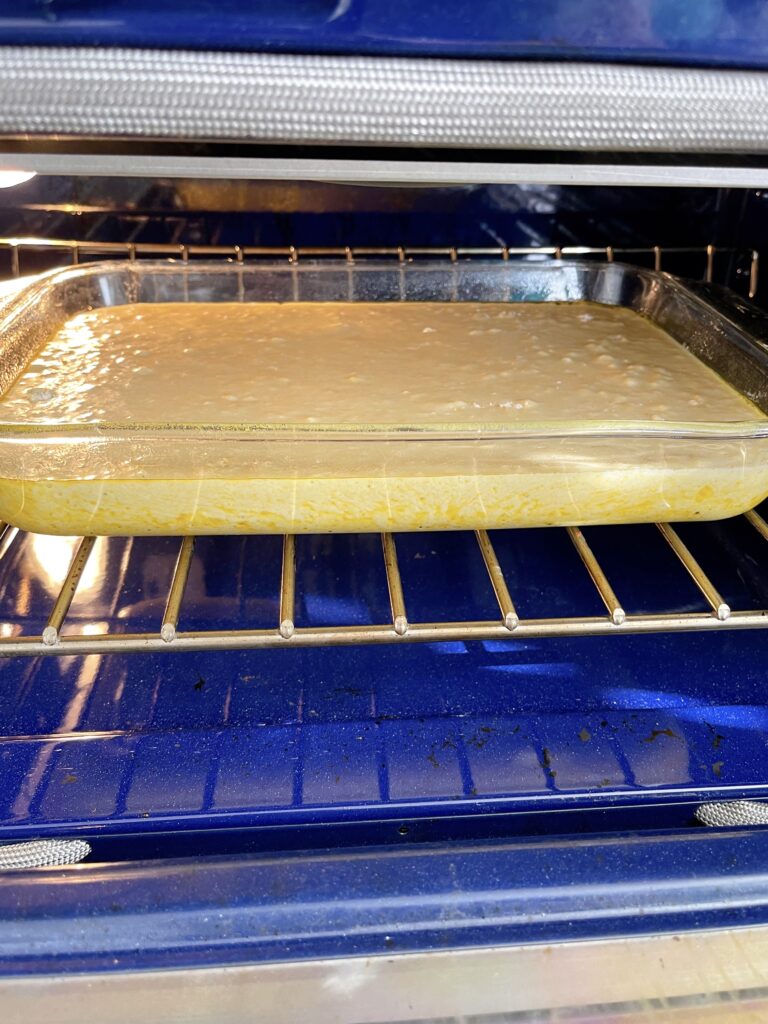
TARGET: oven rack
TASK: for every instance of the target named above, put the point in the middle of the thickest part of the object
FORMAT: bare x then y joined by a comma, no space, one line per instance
399,629
79,250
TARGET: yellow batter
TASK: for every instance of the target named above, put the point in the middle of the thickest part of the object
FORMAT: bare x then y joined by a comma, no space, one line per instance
424,365
335,362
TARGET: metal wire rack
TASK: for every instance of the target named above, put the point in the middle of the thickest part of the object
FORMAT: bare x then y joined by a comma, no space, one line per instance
79,250
399,628
168,636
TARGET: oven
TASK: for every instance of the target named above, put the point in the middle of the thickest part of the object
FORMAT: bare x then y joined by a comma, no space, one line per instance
382,777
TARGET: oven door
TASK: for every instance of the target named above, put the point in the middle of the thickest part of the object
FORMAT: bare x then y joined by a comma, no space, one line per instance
634,927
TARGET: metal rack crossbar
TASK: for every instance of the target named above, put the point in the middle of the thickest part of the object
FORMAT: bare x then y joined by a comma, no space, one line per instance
78,249
400,629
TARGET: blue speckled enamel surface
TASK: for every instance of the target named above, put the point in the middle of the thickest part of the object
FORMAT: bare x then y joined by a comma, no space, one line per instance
130,744
255,907
709,32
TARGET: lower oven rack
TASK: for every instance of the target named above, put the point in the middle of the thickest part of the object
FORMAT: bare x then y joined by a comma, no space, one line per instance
52,640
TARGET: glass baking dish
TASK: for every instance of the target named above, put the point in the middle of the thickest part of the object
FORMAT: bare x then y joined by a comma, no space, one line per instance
158,478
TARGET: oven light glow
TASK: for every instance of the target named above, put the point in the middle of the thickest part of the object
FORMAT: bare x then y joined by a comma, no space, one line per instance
10,178
52,556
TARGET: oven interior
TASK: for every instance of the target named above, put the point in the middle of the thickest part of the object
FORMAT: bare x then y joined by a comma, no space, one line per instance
232,738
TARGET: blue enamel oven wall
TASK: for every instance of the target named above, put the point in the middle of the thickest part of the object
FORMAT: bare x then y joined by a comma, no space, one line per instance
710,32
378,744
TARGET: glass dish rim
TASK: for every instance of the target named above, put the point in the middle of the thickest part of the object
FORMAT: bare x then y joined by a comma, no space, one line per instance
30,292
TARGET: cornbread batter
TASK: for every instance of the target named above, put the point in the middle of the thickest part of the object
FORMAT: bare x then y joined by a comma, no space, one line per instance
491,367
410,363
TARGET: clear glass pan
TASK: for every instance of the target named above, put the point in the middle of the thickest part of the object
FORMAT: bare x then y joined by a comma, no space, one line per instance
156,478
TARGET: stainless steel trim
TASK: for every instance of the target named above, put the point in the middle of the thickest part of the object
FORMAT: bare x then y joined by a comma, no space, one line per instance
388,171
728,966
